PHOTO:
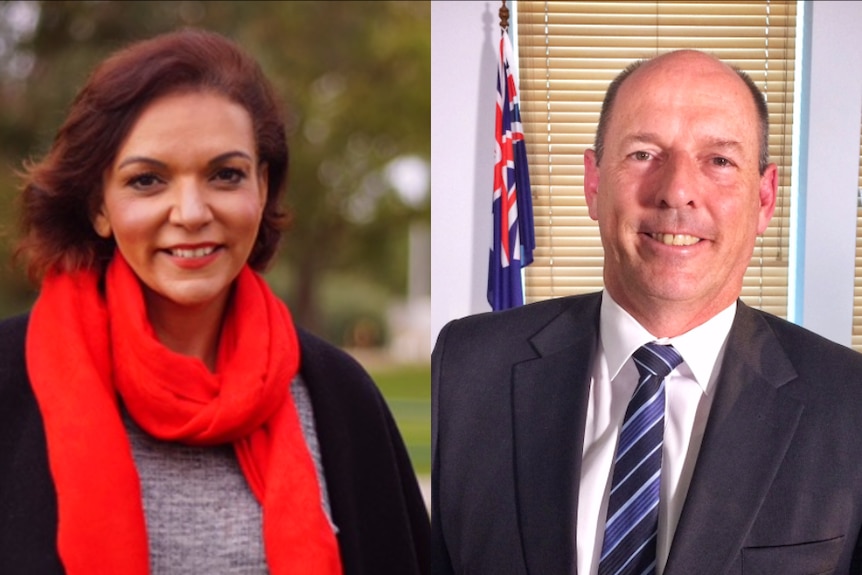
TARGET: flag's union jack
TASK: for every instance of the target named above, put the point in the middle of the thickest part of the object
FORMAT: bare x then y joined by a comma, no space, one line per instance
514,239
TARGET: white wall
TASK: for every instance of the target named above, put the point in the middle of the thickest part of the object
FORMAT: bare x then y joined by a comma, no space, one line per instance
463,76
829,169
462,124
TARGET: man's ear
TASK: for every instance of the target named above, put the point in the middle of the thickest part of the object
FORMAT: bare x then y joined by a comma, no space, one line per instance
768,194
591,182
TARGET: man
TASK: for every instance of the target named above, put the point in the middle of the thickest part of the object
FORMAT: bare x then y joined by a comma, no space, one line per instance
756,464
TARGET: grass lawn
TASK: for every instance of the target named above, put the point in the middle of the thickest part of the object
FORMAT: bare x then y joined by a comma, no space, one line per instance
407,389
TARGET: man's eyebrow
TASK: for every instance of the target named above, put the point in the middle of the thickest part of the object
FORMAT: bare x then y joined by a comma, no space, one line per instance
641,138
653,138
724,143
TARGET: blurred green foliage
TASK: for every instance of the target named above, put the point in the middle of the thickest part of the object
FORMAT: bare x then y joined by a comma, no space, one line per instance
408,393
355,78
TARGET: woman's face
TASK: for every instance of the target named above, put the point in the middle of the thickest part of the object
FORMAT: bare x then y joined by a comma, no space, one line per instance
184,198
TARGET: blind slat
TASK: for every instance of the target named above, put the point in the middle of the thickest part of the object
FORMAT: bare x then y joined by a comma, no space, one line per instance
568,54
856,338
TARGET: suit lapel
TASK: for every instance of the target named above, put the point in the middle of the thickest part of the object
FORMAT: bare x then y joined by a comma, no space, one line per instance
549,399
750,427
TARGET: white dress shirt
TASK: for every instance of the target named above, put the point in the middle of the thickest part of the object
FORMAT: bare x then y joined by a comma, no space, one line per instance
687,403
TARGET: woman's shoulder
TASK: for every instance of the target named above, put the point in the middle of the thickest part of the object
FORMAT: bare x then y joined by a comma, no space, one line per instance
13,329
16,396
343,394
315,349
325,366
13,334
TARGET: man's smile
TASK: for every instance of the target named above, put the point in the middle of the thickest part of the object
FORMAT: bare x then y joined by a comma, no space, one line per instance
675,239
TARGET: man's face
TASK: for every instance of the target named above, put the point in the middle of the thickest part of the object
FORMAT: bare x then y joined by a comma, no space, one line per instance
678,195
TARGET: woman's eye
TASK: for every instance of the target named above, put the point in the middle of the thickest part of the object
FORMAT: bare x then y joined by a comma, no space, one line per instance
144,181
229,175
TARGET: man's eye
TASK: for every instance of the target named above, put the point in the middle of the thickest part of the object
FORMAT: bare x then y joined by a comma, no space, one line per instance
719,161
642,156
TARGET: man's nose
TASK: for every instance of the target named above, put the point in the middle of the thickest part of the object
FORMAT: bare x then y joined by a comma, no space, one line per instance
679,183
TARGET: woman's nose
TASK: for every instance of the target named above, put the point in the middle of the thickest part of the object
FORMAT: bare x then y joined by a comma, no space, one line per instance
190,208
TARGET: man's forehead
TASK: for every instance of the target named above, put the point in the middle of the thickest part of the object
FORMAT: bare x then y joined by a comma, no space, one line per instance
685,60
720,125
709,92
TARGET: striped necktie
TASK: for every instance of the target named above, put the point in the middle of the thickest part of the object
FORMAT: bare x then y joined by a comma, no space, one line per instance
629,546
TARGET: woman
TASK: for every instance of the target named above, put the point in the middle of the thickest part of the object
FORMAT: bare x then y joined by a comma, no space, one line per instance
159,412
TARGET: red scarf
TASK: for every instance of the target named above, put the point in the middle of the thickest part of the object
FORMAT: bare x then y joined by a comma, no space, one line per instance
83,349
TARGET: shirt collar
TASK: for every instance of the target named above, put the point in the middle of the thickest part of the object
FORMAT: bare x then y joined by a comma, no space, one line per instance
621,335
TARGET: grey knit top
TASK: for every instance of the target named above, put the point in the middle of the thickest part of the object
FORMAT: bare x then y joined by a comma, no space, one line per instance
200,514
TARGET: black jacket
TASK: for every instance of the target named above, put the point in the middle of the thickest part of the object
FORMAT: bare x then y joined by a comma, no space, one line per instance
375,499
777,487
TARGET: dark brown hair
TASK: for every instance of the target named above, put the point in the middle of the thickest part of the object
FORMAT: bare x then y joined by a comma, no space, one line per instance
756,94
63,191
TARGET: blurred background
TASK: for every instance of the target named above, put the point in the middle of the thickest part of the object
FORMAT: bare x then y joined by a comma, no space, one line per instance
354,267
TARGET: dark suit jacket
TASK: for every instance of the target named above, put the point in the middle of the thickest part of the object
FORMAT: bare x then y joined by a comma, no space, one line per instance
777,488
375,499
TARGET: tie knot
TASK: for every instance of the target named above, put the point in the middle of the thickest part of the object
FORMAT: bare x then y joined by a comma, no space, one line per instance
655,359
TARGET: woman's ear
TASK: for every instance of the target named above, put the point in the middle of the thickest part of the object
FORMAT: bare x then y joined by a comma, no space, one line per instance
102,224
263,182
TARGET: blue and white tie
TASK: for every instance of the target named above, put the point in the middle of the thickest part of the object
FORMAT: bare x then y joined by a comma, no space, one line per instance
629,546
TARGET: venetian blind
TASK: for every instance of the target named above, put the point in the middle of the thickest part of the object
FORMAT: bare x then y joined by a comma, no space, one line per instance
568,54
856,339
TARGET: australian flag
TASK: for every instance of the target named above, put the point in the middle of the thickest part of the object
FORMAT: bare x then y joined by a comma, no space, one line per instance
514,239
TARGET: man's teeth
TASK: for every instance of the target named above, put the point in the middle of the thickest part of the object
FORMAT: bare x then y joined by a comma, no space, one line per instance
195,253
675,239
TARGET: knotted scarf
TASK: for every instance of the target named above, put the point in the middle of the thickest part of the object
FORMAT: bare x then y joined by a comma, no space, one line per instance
85,349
